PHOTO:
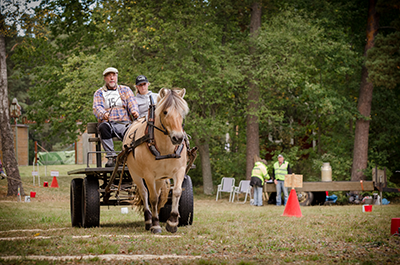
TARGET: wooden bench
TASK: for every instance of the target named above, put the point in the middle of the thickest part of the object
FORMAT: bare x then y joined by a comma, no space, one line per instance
92,129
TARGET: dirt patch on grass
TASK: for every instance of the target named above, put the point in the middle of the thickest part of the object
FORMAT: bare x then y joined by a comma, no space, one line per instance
106,257
78,237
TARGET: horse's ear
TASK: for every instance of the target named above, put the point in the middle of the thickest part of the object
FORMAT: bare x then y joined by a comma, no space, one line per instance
182,92
163,92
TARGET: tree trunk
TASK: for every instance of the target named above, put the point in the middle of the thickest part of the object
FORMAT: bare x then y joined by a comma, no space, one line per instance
252,131
6,134
204,152
360,152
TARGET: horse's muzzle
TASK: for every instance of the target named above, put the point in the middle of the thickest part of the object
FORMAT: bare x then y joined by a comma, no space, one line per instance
176,138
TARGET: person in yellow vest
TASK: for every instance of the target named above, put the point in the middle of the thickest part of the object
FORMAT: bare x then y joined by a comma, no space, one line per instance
259,174
281,168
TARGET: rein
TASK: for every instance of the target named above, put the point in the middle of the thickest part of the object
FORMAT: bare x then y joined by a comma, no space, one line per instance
149,138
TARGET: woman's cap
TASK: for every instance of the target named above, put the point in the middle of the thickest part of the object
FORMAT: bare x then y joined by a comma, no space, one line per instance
141,79
110,70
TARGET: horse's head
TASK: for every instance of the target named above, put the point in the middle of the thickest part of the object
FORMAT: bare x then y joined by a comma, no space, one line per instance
172,109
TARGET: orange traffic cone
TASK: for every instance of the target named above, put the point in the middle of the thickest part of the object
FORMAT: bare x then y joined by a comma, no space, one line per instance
292,205
54,183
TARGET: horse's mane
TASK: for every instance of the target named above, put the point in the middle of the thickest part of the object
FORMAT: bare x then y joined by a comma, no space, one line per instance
172,99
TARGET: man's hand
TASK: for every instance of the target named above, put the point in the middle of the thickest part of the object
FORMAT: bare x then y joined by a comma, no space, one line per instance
276,181
106,116
135,114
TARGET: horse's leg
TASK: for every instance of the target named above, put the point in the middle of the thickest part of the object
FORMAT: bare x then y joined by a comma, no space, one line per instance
153,195
172,222
143,194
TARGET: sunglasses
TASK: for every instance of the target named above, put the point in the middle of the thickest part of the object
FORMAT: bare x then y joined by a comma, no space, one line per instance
142,84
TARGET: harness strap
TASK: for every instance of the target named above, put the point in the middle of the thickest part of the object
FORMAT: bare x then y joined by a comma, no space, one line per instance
156,153
149,138
135,143
165,132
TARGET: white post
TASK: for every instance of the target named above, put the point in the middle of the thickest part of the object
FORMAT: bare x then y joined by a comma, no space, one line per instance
38,174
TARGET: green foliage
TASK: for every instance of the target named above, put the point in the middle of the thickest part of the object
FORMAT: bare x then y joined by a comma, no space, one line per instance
307,65
383,61
384,143
304,73
226,161
341,166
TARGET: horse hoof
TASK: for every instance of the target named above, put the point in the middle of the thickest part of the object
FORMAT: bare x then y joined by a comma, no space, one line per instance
148,226
156,230
171,229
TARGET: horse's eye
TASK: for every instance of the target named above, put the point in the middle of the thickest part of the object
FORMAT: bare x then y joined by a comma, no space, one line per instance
165,112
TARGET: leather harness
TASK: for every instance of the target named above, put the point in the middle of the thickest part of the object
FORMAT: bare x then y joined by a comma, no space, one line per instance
149,138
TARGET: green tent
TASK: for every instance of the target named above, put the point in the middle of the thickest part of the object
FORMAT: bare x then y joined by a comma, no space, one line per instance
56,158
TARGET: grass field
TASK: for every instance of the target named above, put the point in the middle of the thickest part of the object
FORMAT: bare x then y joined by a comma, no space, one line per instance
40,232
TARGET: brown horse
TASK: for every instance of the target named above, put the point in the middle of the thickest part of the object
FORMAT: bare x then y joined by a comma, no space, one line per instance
143,164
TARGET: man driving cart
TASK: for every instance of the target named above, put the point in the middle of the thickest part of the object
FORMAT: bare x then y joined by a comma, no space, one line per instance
115,107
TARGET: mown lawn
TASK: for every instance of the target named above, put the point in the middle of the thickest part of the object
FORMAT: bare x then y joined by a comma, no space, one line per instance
222,233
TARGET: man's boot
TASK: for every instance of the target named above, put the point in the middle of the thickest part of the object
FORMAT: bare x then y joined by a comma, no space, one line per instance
110,162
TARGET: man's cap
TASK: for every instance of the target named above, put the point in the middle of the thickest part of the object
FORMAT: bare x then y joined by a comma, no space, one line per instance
280,155
110,70
141,79
264,161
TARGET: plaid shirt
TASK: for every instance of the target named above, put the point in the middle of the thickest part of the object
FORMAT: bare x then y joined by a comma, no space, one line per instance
116,113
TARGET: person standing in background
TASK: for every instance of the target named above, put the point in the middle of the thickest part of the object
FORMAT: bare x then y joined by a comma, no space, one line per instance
280,169
259,175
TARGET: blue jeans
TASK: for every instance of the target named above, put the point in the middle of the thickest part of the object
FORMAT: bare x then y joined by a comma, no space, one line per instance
279,187
258,196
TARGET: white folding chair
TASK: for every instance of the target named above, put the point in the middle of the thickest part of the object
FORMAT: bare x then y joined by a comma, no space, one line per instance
244,187
227,185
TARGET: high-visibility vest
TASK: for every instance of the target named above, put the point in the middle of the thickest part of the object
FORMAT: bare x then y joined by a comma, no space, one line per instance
260,170
281,171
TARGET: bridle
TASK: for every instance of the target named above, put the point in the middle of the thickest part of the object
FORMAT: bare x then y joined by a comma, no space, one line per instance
149,137
164,130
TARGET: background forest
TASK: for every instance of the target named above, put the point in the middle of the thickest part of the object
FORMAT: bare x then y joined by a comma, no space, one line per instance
305,59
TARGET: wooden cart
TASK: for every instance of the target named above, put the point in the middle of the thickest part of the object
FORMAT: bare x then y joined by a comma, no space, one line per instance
104,186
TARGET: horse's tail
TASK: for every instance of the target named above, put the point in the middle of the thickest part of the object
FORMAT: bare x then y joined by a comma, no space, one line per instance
138,203
162,198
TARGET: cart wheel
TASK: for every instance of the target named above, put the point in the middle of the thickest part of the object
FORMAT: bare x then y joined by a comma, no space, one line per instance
186,203
305,198
76,202
90,202
319,198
